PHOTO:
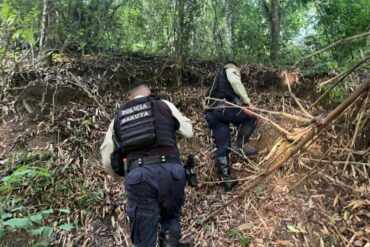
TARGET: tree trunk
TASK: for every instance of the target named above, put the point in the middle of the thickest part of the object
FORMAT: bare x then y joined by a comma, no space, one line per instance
229,28
45,55
219,46
275,30
179,40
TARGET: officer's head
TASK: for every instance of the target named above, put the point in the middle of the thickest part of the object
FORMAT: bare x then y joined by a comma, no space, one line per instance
139,87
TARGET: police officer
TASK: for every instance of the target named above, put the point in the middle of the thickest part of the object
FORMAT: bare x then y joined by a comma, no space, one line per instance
144,129
228,87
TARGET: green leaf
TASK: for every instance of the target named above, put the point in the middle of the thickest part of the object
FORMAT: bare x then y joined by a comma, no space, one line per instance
233,232
27,35
37,218
44,231
18,223
2,231
48,211
345,215
244,241
6,216
4,13
64,210
17,35
332,220
47,232
293,229
37,231
20,208
200,222
43,172
66,227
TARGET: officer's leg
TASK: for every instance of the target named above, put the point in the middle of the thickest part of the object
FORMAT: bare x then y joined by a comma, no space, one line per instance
142,209
248,123
171,196
245,131
221,133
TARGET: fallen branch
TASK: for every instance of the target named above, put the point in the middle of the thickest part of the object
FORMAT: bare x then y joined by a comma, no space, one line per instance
345,74
247,109
337,162
349,39
322,125
298,103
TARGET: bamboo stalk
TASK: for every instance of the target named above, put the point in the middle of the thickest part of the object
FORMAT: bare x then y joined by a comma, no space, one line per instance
345,74
353,38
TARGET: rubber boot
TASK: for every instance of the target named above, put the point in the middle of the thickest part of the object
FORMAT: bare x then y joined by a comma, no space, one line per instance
171,239
223,166
245,132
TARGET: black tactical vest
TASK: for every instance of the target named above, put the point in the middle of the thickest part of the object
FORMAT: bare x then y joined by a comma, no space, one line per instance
144,127
221,88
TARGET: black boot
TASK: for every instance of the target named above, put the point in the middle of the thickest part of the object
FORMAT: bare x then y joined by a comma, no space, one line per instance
223,166
170,238
245,132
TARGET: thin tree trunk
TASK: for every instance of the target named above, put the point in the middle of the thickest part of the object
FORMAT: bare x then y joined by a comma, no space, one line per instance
44,56
220,51
43,25
229,27
179,40
275,30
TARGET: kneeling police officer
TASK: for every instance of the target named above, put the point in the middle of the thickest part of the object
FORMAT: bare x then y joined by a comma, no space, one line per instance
140,145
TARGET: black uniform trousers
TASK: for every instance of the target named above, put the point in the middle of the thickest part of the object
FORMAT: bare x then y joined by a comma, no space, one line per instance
155,194
219,122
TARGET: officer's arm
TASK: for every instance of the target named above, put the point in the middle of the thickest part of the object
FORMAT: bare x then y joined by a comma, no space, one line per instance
233,76
106,149
185,128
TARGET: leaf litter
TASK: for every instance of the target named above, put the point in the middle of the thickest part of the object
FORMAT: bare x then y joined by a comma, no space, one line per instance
311,201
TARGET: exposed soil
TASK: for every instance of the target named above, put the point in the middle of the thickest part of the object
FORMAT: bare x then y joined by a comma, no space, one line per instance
70,120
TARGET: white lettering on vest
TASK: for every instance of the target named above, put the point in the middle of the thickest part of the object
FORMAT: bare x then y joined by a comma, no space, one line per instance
136,108
136,116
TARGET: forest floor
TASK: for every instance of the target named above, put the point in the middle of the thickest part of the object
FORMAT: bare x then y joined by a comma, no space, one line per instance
60,115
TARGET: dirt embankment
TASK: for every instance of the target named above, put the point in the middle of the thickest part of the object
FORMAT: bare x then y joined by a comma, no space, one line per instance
66,109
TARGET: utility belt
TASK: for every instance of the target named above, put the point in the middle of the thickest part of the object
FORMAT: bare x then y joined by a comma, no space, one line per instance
152,160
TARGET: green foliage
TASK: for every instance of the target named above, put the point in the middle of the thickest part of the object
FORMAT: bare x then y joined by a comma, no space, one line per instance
18,216
66,227
345,215
244,241
206,29
34,224
338,93
293,229
338,19
18,22
235,233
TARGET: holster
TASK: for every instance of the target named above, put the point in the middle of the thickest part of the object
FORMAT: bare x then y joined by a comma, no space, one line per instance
117,158
117,163
191,175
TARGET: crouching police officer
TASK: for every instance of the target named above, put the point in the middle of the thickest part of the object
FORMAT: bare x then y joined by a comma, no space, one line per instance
228,87
143,134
